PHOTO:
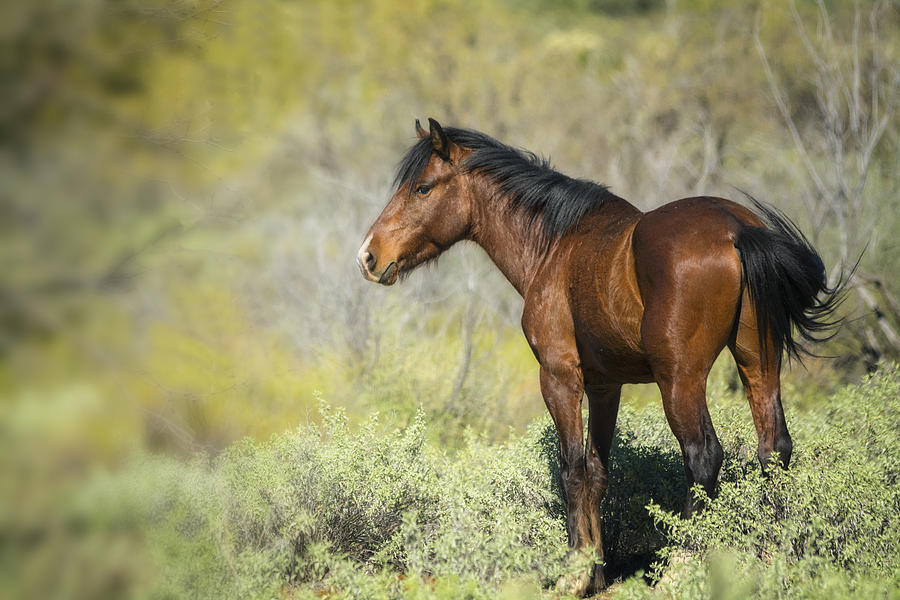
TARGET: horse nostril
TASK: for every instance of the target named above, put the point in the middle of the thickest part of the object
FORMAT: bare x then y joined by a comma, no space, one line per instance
369,259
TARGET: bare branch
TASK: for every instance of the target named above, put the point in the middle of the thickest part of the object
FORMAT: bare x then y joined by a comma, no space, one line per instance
886,330
781,102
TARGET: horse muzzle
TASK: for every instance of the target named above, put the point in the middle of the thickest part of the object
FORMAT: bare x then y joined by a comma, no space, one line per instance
366,261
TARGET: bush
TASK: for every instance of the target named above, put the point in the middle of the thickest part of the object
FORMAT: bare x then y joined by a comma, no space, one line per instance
831,522
381,513
362,514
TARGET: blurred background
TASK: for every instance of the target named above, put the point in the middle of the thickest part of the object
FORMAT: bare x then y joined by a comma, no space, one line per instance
184,186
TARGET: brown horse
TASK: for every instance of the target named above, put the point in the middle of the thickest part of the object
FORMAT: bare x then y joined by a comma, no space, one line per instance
614,296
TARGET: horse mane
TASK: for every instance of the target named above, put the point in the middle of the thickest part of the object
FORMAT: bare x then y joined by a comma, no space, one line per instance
527,181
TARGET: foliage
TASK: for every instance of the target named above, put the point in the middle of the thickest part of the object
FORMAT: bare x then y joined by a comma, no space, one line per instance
827,527
369,513
374,512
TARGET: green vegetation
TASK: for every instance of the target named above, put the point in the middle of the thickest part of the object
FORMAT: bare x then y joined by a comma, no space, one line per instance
371,512
183,188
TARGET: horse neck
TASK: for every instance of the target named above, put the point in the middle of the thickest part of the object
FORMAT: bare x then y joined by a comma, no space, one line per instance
512,242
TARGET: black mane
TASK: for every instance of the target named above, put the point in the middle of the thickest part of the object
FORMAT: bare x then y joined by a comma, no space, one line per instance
528,181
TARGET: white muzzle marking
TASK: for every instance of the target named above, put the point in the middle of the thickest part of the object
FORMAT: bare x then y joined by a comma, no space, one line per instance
361,259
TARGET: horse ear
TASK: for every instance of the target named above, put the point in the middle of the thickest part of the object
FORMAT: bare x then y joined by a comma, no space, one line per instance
439,140
420,131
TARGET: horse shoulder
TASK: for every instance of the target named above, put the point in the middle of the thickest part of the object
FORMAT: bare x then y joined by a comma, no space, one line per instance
548,325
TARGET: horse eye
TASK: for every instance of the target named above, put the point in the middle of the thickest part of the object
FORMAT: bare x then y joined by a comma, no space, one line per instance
423,189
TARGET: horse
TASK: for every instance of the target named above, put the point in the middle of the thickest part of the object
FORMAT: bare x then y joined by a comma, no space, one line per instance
613,295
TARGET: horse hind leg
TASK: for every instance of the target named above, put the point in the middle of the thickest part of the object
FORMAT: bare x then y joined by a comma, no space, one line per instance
684,401
760,373
680,370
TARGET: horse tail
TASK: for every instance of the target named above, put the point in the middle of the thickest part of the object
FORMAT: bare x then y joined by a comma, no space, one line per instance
787,283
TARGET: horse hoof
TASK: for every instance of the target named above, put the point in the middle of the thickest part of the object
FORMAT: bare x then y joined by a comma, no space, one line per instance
574,584
598,581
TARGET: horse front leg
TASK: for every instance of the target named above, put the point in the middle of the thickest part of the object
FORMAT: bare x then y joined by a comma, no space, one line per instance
562,389
603,401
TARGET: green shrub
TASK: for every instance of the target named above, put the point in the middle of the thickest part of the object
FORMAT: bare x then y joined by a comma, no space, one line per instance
374,512
330,509
832,521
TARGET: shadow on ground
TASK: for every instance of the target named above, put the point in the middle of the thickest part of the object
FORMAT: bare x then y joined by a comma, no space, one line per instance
639,473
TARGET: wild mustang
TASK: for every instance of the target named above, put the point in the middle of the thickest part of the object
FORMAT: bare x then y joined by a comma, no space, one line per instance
613,296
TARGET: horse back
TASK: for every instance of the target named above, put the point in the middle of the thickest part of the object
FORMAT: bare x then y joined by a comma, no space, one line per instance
689,242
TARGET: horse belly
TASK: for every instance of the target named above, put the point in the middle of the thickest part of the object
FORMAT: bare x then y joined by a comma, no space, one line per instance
602,364
613,355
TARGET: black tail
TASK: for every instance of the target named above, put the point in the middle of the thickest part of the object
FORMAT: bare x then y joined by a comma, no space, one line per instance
787,283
